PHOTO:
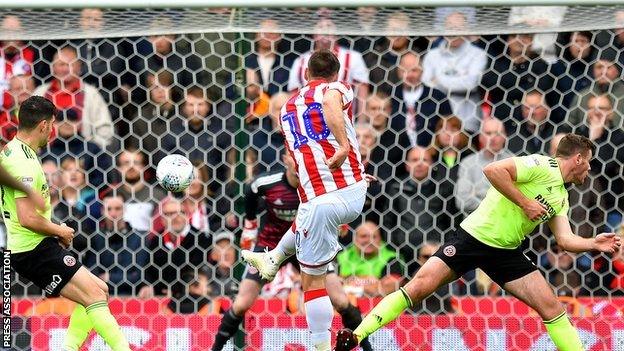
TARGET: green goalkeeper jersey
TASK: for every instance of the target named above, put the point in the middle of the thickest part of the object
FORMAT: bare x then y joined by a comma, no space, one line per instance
500,223
21,161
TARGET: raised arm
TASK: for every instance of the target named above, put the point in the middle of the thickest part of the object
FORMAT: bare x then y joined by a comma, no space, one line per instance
605,242
502,175
332,112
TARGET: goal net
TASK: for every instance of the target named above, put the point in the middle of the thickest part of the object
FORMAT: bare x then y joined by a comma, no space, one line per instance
440,92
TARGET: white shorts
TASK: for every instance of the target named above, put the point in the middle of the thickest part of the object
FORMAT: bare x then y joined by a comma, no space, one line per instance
317,222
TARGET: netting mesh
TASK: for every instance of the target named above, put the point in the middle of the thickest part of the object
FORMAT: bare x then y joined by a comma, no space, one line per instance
136,85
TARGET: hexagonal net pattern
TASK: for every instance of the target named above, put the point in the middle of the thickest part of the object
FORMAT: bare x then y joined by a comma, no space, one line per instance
439,94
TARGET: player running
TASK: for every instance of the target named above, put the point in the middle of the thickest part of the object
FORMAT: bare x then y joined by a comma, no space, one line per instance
525,192
317,123
279,191
38,246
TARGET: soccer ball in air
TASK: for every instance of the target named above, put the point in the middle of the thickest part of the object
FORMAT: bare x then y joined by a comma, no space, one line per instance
175,173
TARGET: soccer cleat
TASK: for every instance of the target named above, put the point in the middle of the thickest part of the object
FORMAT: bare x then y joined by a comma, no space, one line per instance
345,340
266,265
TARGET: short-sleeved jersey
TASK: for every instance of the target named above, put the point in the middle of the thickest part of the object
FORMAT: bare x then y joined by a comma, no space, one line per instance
310,141
500,223
21,161
280,201
352,68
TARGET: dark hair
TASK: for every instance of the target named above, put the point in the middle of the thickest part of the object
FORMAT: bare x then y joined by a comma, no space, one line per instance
323,64
34,110
572,144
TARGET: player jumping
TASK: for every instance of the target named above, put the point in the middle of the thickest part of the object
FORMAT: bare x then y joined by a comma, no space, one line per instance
525,192
38,246
279,191
317,123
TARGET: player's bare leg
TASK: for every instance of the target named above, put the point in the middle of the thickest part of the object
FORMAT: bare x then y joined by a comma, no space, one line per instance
91,293
433,274
351,315
318,307
248,292
533,290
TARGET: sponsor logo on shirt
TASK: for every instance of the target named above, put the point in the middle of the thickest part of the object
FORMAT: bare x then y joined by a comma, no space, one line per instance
56,280
550,211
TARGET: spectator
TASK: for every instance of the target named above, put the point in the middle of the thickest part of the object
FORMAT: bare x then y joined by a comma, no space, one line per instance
559,268
267,140
201,134
353,70
472,185
78,206
511,75
108,63
455,67
393,142
573,69
421,104
21,88
189,295
440,301
15,59
601,128
70,142
116,251
368,266
179,246
383,60
169,53
55,182
531,126
153,121
450,144
223,258
266,68
68,91
442,14
418,207
607,80
540,18
199,206
141,196
613,38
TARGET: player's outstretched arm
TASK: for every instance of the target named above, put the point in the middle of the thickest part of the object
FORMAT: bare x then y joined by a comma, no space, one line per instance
605,242
332,111
30,219
502,175
8,180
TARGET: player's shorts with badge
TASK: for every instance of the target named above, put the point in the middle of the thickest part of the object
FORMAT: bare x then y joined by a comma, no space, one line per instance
317,222
462,253
49,266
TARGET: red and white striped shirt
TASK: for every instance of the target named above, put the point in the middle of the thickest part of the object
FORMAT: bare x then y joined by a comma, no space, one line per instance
352,68
310,142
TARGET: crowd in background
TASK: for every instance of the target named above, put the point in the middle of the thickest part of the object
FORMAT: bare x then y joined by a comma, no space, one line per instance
430,112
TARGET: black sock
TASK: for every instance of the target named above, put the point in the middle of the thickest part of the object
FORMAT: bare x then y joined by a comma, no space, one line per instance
228,327
351,318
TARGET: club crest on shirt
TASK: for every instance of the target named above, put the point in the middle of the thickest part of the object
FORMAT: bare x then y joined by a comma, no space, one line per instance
450,251
69,261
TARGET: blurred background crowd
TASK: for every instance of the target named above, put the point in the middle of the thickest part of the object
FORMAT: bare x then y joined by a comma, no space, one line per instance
430,112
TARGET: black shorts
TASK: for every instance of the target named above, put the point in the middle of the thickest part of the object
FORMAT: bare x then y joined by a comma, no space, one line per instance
253,274
49,266
463,253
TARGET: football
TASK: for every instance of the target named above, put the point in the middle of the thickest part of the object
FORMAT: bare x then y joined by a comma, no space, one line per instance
175,173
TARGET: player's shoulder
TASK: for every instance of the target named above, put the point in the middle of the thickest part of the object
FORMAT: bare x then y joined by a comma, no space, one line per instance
341,86
17,151
266,179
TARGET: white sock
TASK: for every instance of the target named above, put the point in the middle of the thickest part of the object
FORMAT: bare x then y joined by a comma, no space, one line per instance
319,315
285,248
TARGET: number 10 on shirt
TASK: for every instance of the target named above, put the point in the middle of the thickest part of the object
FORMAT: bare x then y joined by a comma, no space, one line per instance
313,120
